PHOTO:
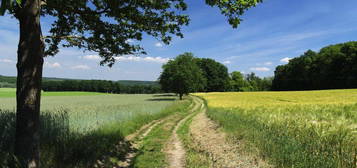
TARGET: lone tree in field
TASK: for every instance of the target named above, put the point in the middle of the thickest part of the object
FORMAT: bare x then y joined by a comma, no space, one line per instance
182,75
102,26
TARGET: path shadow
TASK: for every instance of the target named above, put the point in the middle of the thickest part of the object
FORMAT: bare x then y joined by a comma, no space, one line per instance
164,95
161,99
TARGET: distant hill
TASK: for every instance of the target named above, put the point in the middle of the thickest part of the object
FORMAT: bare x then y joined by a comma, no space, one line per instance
10,81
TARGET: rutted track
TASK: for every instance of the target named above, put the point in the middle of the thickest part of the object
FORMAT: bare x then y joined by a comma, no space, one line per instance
136,139
175,150
206,139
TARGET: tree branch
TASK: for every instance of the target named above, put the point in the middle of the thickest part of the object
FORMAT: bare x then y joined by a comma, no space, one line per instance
62,37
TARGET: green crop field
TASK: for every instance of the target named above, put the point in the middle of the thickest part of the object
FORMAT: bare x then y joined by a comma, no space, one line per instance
83,124
89,110
292,129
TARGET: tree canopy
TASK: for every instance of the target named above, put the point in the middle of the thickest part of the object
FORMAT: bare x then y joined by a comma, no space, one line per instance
249,82
182,75
107,27
333,67
102,26
216,75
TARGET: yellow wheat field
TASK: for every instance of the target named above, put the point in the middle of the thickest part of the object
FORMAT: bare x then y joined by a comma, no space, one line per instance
294,129
279,99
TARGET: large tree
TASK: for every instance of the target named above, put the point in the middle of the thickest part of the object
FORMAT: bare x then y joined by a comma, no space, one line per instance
182,75
216,74
102,26
237,82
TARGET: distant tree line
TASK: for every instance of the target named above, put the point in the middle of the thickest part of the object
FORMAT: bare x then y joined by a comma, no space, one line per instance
99,86
7,82
104,86
249,82
333,67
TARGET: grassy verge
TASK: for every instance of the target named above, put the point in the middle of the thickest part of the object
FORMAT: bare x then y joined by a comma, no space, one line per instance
299,137
151,153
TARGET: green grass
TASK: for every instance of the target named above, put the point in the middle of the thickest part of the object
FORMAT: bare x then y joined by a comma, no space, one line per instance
151,153
78,129
89,112
292,129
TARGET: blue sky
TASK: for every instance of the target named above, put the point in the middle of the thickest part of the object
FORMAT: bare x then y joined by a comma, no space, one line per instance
271,34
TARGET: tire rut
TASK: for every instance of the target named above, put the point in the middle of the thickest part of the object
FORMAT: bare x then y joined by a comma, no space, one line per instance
135,144
175,150
134,141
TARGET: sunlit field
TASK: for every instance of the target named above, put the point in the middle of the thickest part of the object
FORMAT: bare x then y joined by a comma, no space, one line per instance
88,110
78,127
292,129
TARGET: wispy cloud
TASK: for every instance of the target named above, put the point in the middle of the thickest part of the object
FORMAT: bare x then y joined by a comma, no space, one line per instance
6,60
226,62
260,69
143,59
268,63
262,52
80,67
285,60
129,41
91,57
52,65
158,44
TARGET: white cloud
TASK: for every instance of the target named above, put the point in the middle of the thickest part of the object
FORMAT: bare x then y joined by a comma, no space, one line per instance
260,69
268,63
80,67
129,41
285,60
52,65
6,60
226,62
143,59
92,57
158,45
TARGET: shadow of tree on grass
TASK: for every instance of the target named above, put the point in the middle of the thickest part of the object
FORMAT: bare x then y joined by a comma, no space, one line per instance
161,99
61,147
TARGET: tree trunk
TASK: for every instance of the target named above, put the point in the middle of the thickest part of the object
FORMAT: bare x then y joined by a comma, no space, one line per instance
29,77
181,96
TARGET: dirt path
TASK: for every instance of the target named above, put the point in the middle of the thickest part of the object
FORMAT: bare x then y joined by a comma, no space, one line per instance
211,140
175,150
135,141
